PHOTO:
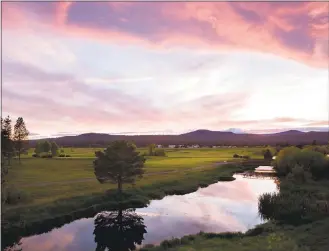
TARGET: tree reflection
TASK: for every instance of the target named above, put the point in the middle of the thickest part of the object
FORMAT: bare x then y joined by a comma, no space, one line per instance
119,230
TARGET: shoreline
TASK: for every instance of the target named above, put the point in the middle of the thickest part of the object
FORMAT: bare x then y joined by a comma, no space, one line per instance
33,222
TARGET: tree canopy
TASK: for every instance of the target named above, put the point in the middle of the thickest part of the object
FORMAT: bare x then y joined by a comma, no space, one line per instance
20,136
119,163
311,161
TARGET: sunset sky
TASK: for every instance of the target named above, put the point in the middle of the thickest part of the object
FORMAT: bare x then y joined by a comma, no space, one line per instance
165,67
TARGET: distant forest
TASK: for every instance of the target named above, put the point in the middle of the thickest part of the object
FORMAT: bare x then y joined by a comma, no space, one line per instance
201,137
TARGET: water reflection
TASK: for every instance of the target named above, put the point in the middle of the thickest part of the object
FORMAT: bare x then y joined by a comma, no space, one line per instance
119,230
224,206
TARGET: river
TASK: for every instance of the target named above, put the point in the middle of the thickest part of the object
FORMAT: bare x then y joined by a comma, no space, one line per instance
220,207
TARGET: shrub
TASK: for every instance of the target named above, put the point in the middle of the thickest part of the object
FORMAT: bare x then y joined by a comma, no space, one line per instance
236,156
267,154
35,155
45,155
160,152
298,174
67,155
14,196
245,157
286,160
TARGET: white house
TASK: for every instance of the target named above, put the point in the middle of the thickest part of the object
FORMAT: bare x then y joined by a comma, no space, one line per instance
159,146
172,146
264,169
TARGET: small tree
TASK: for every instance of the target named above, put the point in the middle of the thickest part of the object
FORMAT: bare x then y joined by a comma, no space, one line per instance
268,155
38,148
7,147
54,149
20,135
151,149
119,163
46,146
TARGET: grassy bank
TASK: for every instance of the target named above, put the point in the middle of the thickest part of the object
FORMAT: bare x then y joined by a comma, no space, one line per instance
298,218
45,181
31,219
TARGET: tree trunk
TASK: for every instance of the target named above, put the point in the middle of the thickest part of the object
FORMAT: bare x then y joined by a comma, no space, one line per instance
120,186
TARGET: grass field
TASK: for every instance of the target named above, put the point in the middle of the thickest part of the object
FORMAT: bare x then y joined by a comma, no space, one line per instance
63,174
59,181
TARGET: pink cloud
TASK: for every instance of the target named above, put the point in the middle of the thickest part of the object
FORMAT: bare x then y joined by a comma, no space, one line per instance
61,101
295,30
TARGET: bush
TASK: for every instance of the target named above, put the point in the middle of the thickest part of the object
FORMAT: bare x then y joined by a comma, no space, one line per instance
267,154
236,156
245,157
160,152
35,155
14,196
45,155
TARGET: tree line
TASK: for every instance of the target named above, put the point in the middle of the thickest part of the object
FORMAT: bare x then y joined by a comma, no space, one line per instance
13,143
44,149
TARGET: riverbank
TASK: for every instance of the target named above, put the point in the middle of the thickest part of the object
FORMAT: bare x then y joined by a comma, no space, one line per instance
267,236
300,222
38,219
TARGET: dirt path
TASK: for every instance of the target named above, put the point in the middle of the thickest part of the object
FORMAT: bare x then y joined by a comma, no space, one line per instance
41,184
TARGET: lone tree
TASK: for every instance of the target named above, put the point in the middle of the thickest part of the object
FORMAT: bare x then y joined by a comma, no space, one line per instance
267,154
46,146
54,148
119,163
20,135
38,148
151,149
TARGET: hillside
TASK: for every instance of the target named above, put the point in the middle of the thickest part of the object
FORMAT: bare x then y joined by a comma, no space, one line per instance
203,137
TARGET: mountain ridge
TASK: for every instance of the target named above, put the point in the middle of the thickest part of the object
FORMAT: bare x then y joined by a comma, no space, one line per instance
201,136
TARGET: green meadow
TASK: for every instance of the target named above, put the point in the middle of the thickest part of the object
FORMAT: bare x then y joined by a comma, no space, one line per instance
59,182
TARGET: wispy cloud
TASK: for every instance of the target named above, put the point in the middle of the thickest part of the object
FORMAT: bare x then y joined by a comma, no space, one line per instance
296,30
116,80
146,67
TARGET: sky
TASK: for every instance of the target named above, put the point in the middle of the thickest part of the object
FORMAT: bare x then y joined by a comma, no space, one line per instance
165,67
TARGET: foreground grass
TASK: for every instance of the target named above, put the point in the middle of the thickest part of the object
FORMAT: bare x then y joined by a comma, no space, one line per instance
228,242
265,237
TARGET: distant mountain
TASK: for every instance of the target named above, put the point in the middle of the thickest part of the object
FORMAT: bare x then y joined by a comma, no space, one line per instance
290,132
203,137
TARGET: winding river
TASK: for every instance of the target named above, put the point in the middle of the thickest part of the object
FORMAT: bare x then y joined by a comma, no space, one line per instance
220,207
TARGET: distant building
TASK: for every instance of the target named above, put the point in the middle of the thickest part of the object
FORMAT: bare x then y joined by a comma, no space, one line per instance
159,146
172,146
264,169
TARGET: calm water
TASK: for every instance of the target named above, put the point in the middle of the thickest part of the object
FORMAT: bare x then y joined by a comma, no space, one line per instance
224,206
